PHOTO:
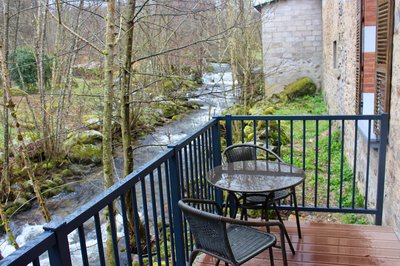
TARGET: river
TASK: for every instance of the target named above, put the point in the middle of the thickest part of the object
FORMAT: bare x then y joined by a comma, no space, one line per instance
215,95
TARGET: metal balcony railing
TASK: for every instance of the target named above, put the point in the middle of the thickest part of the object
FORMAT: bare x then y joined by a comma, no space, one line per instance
339,161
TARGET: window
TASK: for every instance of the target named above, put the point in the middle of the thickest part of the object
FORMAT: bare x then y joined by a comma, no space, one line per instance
334,54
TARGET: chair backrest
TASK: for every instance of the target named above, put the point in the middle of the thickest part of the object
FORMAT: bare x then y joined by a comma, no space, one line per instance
208,230
244,152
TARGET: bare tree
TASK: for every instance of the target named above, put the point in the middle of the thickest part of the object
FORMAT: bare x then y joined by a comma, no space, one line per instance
107,116
5,178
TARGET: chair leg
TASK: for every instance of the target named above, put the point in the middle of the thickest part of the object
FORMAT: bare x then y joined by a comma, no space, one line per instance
193,257
285,231
296,211
271,256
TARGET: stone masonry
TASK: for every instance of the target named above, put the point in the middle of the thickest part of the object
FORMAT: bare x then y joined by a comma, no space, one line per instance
292,42
339,77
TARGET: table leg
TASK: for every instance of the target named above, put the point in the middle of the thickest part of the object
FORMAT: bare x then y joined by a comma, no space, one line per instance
286,233
296,211
231,202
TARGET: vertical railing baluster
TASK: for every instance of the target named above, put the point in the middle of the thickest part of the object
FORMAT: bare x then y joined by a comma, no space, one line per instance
36,262
99,239
341,167
188,185
177,215
203,162
353,196
384,131
126,229
279,137
316,163
196,169
181,170
146,219
303,193
155,218
217,157
228,126
164,227
291,141
192,181
368,162
113,230
137,221
169,205
255,132
200,168
267,133
82,242
59,254
328,190
242,130
208,159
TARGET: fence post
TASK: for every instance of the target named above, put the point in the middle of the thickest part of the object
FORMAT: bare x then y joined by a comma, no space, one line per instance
381,168
217,157
228,120
177,228
59,254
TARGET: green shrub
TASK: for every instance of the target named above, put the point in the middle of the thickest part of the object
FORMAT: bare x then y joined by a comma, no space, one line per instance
24,68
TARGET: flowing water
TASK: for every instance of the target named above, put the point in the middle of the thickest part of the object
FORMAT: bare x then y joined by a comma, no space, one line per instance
215,95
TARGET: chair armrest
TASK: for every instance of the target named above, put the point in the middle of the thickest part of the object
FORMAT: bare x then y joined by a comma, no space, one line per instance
203,201
252,223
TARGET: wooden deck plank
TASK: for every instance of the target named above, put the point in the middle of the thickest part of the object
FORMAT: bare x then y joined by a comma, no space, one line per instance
334,244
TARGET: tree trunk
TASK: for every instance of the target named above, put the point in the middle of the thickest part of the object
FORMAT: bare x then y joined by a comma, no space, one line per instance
5,181
39,52
107,116
126,74
22,152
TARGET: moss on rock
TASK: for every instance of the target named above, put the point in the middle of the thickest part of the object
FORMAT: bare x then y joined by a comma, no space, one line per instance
82,137
86,153
301,87
92,121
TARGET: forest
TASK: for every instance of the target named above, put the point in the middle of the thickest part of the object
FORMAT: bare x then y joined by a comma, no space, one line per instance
82,77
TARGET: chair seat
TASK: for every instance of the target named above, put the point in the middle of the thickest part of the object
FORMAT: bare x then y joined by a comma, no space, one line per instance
260,198
247,242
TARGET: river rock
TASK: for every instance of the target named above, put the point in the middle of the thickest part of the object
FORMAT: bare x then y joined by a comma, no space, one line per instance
86,153
92,121
77,169
28,138
83,137
84,147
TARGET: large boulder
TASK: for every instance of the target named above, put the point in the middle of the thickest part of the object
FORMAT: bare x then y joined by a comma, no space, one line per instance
83,137
84,147
92,121
301,87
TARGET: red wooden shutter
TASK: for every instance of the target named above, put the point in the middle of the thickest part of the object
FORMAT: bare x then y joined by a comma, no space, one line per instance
359,55
384,42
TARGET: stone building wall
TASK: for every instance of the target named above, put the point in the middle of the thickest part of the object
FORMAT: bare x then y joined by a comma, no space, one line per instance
292,42
339,79
392,186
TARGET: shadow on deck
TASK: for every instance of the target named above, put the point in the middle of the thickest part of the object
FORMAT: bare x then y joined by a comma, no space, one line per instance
334,244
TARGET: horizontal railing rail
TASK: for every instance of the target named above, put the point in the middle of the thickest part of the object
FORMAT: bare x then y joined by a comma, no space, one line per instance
337,152
140,217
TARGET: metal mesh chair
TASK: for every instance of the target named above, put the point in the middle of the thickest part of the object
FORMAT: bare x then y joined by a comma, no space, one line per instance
244,152
227,239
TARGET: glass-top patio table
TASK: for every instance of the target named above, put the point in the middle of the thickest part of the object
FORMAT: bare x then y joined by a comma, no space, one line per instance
256,178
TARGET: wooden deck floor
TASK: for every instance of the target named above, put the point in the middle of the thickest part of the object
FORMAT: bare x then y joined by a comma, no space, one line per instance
334,244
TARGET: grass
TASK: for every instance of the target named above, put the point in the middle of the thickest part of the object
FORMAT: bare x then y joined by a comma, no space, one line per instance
328,180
